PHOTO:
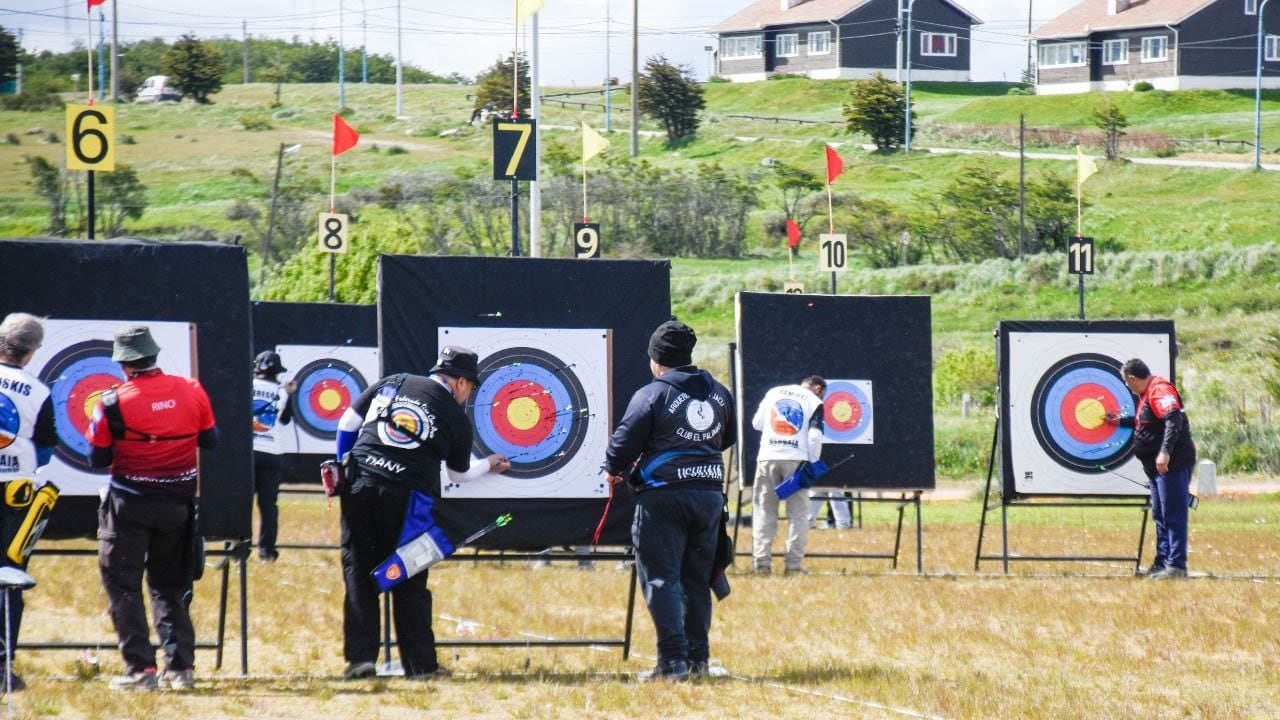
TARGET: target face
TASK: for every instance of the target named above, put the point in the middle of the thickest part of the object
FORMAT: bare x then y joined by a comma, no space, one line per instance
75,363
329,379
848,413
1060,387
542,402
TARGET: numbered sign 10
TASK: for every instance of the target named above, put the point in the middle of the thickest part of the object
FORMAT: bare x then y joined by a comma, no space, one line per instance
91,138
586,240
791,287
833,252
1080,256
514,150
333,232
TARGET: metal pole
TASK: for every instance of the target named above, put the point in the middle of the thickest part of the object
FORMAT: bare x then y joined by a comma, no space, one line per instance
1022,183
342,62
1081,291
399,65
535,189
91,213
635,78
897,58
364,43
907,140
1257,97
608,74
271,219
515,218
102,54
115,51
1030,75
244,62
333,264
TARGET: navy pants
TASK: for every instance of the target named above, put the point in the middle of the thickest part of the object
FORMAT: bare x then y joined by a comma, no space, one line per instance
1170,494
674,534
267,469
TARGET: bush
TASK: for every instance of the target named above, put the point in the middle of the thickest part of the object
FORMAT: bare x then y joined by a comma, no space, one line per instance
787,76
1143,86
971,371
254,124
717,79
396,150
1021,90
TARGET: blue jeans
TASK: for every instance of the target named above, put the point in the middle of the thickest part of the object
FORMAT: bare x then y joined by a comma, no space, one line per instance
675,534
1170,494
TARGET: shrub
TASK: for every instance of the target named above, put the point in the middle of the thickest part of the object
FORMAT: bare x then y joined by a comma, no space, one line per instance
1143,86
717,79
1021,90
254,124
971,371
396,150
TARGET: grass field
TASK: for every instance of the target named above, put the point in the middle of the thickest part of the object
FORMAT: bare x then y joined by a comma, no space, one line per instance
853,639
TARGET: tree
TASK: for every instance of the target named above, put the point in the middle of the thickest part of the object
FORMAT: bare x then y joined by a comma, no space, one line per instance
10,55
1112,121
797,187
49,183
493,87
670,95
877,109
123,196
194,68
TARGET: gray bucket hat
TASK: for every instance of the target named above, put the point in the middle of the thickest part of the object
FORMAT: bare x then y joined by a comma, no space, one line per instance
133,342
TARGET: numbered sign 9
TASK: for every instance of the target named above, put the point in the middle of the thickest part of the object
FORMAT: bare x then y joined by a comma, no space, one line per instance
1080,256
791,287
91,141
833,253
586,240
514,150
333,232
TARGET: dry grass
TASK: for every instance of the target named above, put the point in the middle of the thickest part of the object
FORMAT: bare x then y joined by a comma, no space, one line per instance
852,639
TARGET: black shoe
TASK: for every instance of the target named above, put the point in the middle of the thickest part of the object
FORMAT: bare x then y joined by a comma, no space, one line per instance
18,683
1155,569
440,673
360,671
268,556
673,670
702,669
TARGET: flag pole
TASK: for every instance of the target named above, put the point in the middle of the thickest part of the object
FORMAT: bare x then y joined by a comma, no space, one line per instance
88,24
585,217
333,181
1079,211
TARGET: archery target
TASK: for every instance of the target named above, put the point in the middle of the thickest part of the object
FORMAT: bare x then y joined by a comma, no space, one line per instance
848,413
1060,387
329,379
75,363
541,402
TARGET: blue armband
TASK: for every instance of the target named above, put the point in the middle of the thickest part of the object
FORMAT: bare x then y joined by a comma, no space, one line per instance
346,441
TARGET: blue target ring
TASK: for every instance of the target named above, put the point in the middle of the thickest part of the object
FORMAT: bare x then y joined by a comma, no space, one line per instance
75,377
531,408
1067,408
326,388
847,412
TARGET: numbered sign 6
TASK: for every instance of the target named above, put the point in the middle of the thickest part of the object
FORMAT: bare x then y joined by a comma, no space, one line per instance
333,232
1080,256
514,150
791,287
91,138
833,253
586,240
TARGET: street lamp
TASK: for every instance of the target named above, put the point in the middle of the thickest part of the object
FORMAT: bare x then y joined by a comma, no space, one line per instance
1257,97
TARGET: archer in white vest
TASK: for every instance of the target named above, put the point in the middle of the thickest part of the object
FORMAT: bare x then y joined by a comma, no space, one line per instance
790,422
271,410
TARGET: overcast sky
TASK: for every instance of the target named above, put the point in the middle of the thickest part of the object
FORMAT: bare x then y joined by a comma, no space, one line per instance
467,37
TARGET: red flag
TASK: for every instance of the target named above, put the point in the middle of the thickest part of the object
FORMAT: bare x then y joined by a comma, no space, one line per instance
793,234
835,165
95,2
344,136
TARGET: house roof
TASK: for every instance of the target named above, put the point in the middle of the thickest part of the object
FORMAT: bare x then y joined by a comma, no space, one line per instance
768,13
1091,16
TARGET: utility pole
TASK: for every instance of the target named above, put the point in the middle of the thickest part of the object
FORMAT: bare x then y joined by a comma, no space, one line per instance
342,62
907,139
608,74
535,189
399,65
115,51
364,43
1030,74
635,78
897,58
1257,96
244,29
1022,183
271,218
102,54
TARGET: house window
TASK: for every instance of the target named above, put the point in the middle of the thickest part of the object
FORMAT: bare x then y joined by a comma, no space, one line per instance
820,43
938,44
736,48
1062,55
1250,7
1273,48
788,45
1115,52
1155,48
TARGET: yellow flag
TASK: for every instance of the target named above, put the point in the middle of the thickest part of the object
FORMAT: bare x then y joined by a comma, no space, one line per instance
593,143
525,8
1084,167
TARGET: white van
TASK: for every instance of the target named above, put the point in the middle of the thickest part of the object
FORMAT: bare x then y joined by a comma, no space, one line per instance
157,89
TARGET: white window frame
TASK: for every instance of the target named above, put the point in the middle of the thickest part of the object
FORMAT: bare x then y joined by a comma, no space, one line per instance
782,41
950,40
729,47
1149,42
1122,57
1065,51
822,38
1250,7
1273,49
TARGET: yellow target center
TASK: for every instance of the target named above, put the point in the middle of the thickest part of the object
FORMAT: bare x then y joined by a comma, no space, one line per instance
330,399
90,402
523,413
1090,413
843,412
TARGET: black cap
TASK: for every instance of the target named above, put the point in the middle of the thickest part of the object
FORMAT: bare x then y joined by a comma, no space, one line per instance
458,361
268,363
672,344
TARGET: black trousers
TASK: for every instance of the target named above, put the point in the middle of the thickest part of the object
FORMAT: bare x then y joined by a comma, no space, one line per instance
138,534
267,470
675,532
373,514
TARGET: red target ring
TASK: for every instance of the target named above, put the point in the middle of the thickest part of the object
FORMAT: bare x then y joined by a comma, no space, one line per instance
843,411
523,413
1082,413
328,399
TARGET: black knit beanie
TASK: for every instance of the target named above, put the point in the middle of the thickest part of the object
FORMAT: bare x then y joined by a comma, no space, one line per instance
672,344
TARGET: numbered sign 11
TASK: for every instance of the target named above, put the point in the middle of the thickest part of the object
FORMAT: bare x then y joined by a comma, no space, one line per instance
1080,256
586,240
333,232
514,150
791,287
833,252
91,138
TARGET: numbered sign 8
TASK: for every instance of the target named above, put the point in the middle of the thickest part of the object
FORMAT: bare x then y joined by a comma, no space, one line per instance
91,142
514,150
333,232
586,240
833,253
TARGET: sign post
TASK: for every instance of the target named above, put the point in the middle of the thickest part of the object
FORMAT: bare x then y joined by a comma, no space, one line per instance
91,146
1080,259
833,255
515,147
334,229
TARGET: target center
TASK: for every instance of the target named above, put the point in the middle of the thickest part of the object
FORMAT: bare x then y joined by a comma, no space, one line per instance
330,399
90,402
843,412
523,413
1090,413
